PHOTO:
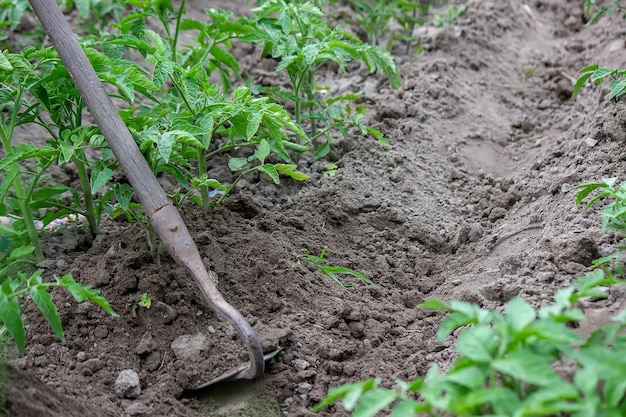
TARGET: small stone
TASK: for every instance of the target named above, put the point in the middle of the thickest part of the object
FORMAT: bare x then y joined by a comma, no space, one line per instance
566,188
591,142
397,331
300,364
81,356
146,344
137,409
304,387
211,330
94,365
127,384
189,347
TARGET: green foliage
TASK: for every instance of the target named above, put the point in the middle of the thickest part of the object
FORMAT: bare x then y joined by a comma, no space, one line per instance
507,361
321,264
605,9
450,17
614,212
11,290
521,361
596,73
297,36
145,301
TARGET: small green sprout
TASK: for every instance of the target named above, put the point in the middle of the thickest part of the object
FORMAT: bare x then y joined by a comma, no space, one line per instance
321,264
145,301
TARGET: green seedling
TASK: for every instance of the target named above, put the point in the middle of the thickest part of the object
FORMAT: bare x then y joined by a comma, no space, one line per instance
330,170
134,213
145,301
605,10
296,35
411,14
321,264
11,290
596,73
506,364
451,17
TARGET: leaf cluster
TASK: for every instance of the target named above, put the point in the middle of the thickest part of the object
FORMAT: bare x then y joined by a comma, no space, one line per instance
518,362
320,263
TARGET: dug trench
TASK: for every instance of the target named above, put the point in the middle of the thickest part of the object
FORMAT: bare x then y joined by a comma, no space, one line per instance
474,200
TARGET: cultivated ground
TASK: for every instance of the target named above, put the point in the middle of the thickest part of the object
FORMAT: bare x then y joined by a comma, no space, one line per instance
473,201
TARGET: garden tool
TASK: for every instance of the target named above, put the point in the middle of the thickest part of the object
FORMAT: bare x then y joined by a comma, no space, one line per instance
164,217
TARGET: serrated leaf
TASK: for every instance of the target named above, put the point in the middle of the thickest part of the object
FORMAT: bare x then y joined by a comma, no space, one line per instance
528,367
237,164
478,344
374,401
43,301
519,313
253,123
83,293
20,252
5,64
291,171
262,151
434,304
162,70
100,176
270,171
11,317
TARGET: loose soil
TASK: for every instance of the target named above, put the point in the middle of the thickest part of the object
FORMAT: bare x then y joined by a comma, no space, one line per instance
474,200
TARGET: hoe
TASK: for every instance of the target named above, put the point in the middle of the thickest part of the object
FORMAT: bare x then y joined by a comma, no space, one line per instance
164,217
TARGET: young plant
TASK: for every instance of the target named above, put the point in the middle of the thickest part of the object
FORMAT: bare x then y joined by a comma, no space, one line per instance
450,17
507,361
321,264
190,120
596,73
145,301
11,290
134,213
411,14
303,43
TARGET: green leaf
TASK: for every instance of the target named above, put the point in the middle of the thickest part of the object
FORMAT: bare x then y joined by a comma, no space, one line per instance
237,164
5,65
43,301
262,151
453,322
478,344
528,367
291,171
271,172
519,313
162,70
374,401
82,293
11,317
350,393
346,271
434,304
20,252
253,123
100,176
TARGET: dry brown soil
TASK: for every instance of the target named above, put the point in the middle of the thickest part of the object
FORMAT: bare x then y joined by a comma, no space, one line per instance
474,200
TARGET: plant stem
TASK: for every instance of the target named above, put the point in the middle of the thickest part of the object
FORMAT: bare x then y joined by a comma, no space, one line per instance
29,223
22,197
86,188
179,16
204,190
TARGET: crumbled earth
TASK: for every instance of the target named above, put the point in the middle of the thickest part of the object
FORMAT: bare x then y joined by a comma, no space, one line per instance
474,200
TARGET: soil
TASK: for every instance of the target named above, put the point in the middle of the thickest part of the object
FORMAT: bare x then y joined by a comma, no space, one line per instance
474,200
